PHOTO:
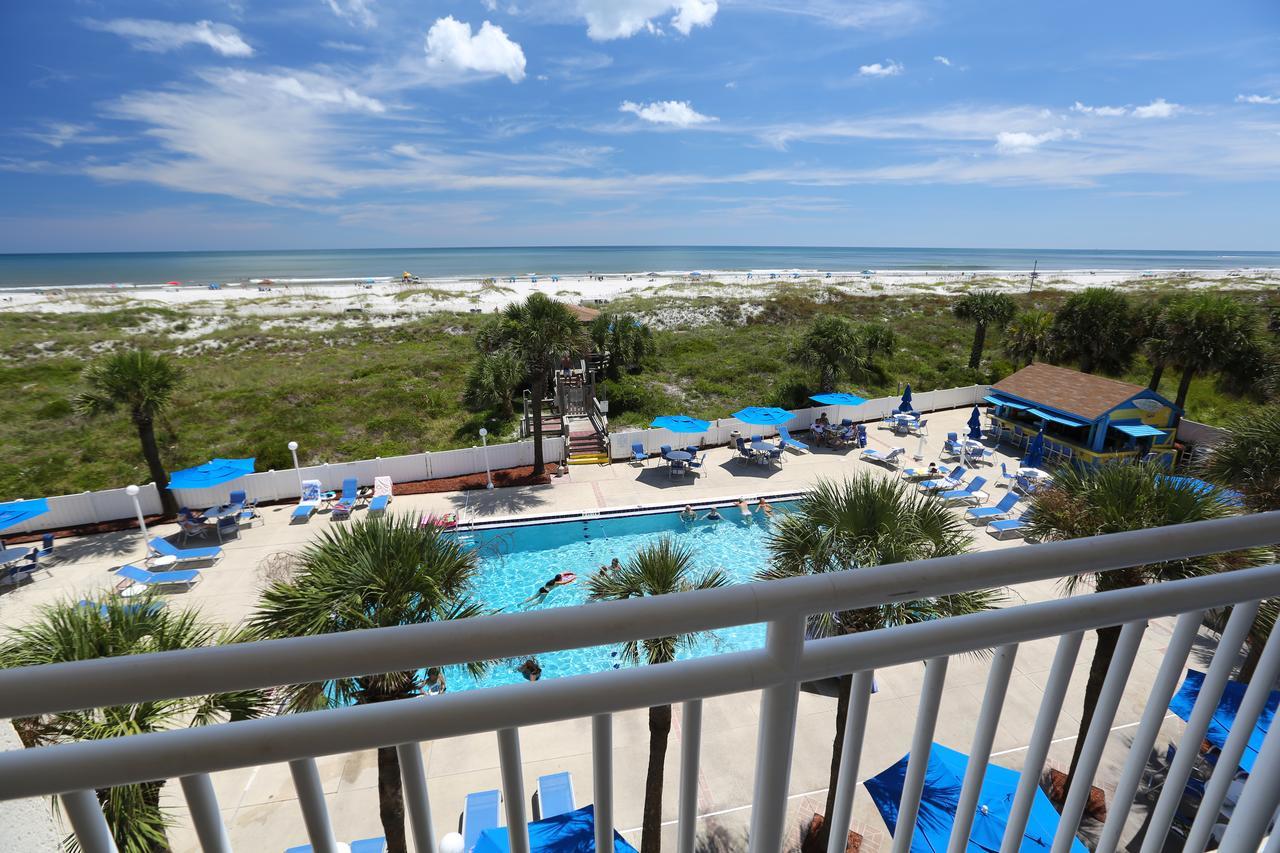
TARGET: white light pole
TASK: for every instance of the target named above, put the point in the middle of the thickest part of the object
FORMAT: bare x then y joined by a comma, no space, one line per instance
132,491
293,448
484,442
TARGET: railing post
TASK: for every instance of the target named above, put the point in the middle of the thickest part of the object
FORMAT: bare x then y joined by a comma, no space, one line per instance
690,744
784,643
1055,690
980,753
935,675
205,814
855,726
513,789
85,815
414,778
602,777
1258,801
315,814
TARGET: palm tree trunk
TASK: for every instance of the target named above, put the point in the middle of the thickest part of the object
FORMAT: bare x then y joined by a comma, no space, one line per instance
1184,386
659,733
979,341
1106,649
151,452
1250,665
818,842
391,799
1157,374
539,388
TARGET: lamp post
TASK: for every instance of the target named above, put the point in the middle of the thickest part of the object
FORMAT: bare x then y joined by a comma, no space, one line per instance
484,443
132,491
293,448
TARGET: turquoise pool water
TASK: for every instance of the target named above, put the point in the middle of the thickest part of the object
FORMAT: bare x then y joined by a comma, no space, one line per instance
516,561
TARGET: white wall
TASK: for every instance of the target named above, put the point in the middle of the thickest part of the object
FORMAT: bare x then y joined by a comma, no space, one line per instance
1193,432
90,507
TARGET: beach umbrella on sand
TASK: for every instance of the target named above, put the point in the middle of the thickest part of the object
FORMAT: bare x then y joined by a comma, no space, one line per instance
906,399
680,423
1035,451
975,424
175,283
763,415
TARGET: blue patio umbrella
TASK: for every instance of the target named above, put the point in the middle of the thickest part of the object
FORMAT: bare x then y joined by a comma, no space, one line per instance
1228,496
1035,452
16,512
571,832
212,473
680,423
1224,716
838,399
906,399
763,415
975,424
944,778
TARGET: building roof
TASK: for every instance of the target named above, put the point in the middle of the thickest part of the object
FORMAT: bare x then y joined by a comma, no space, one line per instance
582,312
1068,390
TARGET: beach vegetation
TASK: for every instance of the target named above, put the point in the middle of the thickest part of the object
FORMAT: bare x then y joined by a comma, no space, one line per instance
627,340
1098,328
835,348
1029,337
986,309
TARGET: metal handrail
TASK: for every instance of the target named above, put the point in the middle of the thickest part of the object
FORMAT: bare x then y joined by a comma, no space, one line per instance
28,691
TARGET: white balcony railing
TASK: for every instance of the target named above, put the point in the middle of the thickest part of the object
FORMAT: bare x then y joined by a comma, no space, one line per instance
73,771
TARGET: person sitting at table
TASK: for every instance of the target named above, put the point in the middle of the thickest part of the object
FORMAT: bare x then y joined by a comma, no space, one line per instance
822,421
188,514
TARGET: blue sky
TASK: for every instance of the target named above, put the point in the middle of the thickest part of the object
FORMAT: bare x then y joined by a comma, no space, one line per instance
135,125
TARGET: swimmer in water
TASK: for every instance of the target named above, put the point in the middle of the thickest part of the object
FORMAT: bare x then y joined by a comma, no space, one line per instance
713,514
544,590
687,514
530,670
744,507
766,508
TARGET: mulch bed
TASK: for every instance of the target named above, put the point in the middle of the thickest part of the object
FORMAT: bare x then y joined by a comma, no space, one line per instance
852,845
1096,807
503,478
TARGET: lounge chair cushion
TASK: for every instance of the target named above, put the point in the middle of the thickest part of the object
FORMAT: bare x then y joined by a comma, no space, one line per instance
379,503
480,812
166,549
555,794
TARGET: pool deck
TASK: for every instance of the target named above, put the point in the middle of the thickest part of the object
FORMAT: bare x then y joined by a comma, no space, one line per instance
259,804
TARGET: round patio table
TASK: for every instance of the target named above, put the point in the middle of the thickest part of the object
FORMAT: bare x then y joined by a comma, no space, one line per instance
679,456
215,513
12,555
764,446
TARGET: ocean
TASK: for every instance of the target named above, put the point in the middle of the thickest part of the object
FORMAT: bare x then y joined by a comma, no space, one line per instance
150,268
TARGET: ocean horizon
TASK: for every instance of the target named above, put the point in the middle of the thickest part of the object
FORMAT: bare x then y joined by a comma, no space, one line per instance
152,268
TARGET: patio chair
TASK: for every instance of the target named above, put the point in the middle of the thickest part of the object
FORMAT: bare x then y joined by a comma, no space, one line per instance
160,547
308,503
784,436
137,581
346,503
46,547
675,466
950,449
237,497
775,455
993,513
664,450
381,494
479,812
555,795
638,454
1005,479
744,452
15,575
971,493
919,427
696,463
249,514
691,450
891,458
950,481
193,527
1015,526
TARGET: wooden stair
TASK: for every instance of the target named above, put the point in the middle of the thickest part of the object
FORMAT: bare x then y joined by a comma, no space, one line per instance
588,447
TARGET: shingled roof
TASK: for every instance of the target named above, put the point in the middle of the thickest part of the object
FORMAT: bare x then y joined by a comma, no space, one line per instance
1067,390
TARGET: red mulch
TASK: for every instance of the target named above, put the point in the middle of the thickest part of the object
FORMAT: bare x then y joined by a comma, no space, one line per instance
853,845
1095,808
502,479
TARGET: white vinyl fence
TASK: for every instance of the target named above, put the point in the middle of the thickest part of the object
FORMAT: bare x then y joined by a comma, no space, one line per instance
1194,432
92,507
722,429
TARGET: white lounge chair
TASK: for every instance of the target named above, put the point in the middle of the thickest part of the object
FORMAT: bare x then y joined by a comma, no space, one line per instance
309,502
381,494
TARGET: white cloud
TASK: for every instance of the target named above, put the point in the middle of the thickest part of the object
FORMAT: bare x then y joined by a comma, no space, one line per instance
308,88
454,54
1159,108
354,12
1020,141
343,46
56,134
888,68
942,60
855,14
617,19
164,36
1257,99
1099,111
674,113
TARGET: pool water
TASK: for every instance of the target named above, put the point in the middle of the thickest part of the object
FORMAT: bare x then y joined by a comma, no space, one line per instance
516,561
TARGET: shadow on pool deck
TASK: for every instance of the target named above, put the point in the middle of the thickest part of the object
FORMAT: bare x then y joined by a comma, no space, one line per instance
497,502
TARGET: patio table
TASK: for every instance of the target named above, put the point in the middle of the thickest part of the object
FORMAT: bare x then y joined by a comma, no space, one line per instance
678,456
217,513
13,555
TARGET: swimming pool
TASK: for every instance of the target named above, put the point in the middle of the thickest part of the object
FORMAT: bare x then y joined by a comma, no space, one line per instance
515,561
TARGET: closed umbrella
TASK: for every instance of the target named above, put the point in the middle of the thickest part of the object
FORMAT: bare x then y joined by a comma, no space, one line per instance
1035,451
680,423
906,399
763,415
975,424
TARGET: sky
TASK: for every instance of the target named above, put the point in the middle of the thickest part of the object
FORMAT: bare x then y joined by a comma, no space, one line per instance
135,125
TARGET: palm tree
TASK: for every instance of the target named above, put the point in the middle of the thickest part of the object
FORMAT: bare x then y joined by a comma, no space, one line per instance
983,308
836,348
1097,326
867,521
1202,332
373,573
1115,498
492,381
661,568
538,330
1029,336
69,631
144,383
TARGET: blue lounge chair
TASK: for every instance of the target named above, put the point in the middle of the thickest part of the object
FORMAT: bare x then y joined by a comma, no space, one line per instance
971,493
140,579
163,548
381,494
891,458
346,503
1009,525
950,481
638,454
555,795
308,503
787,441
993,513
479,813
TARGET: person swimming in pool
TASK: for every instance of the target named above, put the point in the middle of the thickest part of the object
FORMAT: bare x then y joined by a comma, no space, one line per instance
545,590
687,514
530,670
766,508
713,514
744,507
